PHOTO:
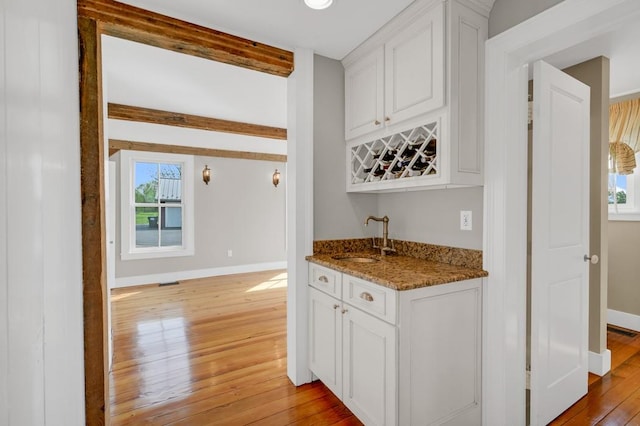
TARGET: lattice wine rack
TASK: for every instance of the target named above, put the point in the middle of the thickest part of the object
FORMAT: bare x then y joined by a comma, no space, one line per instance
407,154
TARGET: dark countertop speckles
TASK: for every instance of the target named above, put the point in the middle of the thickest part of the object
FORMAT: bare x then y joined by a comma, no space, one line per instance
396,271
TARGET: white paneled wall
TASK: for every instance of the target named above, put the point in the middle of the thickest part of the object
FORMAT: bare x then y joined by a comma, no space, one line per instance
41,345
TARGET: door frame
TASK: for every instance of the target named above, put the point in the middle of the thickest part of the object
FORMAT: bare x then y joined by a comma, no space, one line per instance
505,192
108,17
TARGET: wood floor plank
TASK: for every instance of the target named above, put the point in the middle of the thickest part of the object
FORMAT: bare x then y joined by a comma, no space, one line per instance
210,351
613,399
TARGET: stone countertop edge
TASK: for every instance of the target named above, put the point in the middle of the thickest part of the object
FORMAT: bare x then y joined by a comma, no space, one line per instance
396,271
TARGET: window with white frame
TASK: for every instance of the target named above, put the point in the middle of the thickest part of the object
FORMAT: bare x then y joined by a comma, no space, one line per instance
156,205
624,148
624,195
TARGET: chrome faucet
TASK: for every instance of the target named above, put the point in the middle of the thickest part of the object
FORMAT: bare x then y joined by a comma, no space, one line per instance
385,248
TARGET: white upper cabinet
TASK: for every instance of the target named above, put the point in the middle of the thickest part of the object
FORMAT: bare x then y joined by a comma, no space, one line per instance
414,68
364,108
399,79
414,98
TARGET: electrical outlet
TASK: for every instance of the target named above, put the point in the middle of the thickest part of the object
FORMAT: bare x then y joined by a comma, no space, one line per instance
465,220
229,253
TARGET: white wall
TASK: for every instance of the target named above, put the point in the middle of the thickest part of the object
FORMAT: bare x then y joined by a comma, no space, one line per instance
41,356
240,210
424,216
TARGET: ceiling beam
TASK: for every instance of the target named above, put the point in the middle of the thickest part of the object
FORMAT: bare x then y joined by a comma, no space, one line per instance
167,118
116,145
143,26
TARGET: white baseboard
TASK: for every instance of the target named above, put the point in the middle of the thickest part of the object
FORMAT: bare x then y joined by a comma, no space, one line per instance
623,319
600,364
198,273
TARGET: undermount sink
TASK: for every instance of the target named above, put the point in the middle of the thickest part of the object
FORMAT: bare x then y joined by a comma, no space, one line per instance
356,259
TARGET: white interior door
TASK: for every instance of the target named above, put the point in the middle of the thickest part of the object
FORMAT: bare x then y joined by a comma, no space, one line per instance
560,240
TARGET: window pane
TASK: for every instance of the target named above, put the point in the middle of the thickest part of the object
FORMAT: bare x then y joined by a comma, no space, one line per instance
146,182
147,223
171,234
618,188
170,183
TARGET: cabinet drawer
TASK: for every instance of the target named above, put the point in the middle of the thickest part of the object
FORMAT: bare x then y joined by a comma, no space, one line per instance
372,298
325,279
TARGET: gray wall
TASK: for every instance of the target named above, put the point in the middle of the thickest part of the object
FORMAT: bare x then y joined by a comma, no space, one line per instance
508,13
240,210
434,216
337,214
595,73
425,216
624,267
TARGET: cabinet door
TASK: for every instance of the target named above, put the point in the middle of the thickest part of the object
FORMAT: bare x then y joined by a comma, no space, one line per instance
363,86
325,340
414,68
369,363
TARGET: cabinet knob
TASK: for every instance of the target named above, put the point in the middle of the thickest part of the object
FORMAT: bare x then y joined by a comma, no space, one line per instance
344,311
336,307
366,296
377,123
323,279
387,119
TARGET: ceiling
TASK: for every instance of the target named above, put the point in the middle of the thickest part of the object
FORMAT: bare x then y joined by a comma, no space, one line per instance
333,32
620,46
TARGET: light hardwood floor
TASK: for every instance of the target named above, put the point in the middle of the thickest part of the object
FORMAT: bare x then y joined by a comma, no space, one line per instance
213,352
210,352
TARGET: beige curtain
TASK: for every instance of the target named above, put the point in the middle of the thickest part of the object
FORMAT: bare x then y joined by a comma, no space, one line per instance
624,135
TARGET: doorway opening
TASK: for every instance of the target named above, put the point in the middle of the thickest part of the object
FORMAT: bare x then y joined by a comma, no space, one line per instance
95,20
560,27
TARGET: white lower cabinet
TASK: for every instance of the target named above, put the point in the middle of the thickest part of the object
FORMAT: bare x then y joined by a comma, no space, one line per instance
325,340
440,354
369,367
419,367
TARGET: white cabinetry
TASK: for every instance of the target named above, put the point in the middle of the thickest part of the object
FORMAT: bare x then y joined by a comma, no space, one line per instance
400,79
440,355
408,358
414,67
423,71
364,95
353,352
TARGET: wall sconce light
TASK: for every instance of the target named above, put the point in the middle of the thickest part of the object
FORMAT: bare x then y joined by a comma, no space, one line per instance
206,174
275,178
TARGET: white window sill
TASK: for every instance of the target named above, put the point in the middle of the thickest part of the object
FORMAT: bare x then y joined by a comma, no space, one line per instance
624,216
156,254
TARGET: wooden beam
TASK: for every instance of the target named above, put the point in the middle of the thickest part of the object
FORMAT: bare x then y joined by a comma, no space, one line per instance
167,118
94,276
116,145
143,26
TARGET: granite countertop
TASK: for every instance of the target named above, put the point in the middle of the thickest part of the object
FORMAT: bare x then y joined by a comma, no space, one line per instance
397,271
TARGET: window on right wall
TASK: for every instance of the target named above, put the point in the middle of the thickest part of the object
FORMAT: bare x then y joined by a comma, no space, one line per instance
624,149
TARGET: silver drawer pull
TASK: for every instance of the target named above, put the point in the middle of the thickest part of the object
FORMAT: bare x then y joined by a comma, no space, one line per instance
323,278
366,296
